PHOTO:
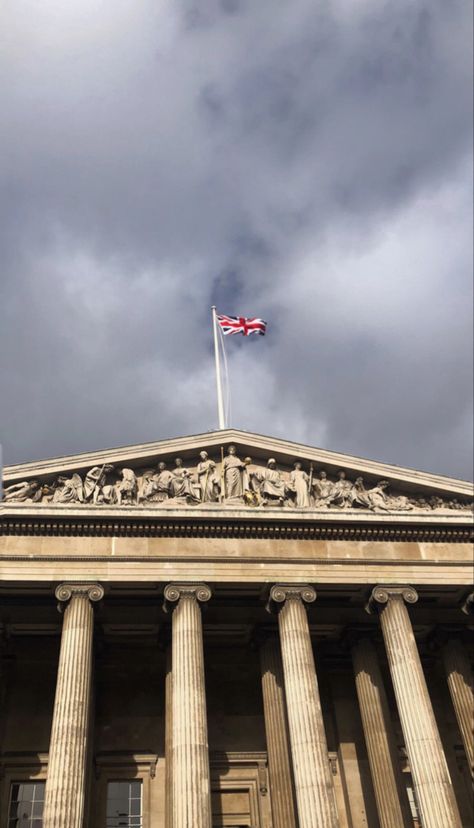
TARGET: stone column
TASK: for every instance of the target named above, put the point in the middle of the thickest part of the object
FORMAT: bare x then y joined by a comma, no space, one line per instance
190,750
276,729
68,749
313,778
390,794
459,676
431,779
6,663
169,740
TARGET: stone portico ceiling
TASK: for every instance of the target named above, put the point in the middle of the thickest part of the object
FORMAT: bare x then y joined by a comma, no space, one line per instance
228,471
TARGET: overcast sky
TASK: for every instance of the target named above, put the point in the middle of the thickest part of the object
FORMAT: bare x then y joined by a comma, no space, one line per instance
306,161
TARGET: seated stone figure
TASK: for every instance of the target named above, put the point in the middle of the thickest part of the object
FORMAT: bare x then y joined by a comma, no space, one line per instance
127,487
270,484
181,483
155,485
68,489
323,489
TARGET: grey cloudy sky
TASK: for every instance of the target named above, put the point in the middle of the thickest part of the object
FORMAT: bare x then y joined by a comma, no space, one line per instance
305,161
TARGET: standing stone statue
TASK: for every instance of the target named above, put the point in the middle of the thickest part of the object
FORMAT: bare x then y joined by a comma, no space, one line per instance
232,468
68,490
299,484
94,482
155,486
208,478
181,482
343,491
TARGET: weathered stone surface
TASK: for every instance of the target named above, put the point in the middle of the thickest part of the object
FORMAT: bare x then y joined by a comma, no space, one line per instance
428,765
312,772
223,479
190,748
460,682
276,728
68,751
390,794
120,526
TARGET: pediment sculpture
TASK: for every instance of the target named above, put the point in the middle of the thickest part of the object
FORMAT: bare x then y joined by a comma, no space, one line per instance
227,480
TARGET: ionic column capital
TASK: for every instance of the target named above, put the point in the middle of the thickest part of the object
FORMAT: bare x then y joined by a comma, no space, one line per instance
281,593
382,594
174,592
93,591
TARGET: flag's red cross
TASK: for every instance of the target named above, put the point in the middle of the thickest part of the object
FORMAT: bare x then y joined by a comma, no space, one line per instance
242,325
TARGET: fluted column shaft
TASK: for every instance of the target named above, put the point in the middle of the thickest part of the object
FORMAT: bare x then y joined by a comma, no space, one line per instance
313,778
460,683
392,802
169,740
190,750
68,750
432,782
276,729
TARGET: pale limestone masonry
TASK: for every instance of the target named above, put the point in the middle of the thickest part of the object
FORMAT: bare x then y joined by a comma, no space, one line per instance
65,788
429,769
313,779
217,717
190,750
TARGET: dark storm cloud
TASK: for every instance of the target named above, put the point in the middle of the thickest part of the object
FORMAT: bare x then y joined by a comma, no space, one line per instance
305,162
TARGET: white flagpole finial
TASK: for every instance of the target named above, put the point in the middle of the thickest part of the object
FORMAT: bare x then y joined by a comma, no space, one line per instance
220,401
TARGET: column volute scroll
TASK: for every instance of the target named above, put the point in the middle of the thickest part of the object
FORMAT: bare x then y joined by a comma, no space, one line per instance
281,593
80,589
468,604
381,595
174,592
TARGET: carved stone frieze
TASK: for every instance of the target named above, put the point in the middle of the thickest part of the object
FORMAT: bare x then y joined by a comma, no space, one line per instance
228,480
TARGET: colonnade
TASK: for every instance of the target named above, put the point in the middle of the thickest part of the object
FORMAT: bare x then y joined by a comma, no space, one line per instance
296,741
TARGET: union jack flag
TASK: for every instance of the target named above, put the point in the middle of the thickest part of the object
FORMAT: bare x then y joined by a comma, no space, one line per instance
242,325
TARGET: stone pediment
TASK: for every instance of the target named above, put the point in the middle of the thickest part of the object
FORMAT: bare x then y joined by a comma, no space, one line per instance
230,470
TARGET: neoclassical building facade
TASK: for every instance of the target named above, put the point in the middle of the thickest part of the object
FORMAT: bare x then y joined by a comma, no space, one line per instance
233,631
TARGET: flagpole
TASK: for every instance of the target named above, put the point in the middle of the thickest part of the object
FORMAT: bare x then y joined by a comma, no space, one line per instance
220,402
